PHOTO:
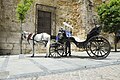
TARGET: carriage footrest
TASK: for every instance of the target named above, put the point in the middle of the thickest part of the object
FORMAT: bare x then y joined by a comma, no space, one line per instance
55,44
99,40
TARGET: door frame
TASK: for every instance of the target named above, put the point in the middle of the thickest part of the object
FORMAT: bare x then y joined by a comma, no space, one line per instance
53,16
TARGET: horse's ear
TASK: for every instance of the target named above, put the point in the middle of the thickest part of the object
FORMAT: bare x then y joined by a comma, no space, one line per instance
24,32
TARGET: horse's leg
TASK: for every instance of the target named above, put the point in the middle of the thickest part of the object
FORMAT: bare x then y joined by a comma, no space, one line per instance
47,48
32,46
33,49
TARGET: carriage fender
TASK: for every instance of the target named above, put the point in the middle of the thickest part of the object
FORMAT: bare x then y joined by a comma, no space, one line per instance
77,39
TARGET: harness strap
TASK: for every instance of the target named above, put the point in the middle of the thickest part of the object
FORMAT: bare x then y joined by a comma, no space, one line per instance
34,36
30,37
42,37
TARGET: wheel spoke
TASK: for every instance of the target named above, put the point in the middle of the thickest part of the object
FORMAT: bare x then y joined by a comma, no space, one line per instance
101,53
94,50
98,47
93,43
97,53
56,51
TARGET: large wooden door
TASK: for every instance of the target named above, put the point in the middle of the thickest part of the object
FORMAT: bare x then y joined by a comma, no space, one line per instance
44,22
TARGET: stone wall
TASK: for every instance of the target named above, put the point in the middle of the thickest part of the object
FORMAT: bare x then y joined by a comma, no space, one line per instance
78,13
9,27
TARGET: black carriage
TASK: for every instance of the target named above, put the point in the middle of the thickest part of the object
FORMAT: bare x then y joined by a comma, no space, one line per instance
96,46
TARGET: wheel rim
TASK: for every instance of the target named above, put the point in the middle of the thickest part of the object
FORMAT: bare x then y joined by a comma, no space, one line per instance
56,51
61,50
53,52
98,47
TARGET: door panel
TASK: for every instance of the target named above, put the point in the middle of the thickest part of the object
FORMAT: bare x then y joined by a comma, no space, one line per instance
44,22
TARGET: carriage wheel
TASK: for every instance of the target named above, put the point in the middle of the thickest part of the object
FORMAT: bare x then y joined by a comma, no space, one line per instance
98,47
56,51
61,50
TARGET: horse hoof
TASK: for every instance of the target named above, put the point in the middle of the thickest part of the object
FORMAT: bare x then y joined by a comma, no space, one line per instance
65,56
32,56
49,56
46,56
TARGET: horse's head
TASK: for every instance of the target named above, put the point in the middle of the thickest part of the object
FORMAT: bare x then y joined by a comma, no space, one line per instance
25,35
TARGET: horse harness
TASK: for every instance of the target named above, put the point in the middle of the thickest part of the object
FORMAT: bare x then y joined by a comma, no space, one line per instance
32,36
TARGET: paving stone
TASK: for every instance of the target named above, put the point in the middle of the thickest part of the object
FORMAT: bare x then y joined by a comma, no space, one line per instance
4,74
66,68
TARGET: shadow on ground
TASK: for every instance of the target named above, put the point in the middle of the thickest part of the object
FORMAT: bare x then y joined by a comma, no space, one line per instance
73,56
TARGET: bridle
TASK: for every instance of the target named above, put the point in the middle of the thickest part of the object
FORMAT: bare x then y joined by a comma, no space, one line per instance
23,36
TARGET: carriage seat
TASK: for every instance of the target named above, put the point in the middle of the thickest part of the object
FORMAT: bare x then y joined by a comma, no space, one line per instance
94,32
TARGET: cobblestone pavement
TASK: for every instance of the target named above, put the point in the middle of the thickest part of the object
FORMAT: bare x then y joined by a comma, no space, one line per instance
103,73
77,67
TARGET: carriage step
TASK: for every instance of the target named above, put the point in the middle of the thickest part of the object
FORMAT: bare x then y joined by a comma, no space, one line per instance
99,40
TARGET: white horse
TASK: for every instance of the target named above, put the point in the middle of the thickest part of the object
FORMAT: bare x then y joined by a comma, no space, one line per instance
33,38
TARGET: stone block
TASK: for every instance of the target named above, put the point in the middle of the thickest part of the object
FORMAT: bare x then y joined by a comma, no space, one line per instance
13,40
25,42
3,40
14,35
6,46
3,35
26,46
16,46
5,51
4,74
27,51
15,51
